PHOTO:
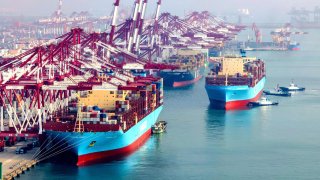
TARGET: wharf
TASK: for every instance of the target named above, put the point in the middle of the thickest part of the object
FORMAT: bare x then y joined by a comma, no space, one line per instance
15,164
267,49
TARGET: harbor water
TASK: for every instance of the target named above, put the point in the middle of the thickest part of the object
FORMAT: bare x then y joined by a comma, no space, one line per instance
279,142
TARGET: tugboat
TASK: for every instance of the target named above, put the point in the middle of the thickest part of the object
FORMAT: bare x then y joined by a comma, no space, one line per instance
159,127
263,102
277,92
292,87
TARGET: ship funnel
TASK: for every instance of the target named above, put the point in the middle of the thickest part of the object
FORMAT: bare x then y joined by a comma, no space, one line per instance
243,53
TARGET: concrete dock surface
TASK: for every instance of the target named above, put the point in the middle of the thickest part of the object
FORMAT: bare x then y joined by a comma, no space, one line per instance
10,160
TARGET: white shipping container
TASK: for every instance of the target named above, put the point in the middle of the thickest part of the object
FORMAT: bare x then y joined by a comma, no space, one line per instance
112,121
125,106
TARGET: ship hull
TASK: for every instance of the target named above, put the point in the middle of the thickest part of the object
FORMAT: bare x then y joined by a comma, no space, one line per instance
295,47
234,97
186,83
180,78
94,147
270,46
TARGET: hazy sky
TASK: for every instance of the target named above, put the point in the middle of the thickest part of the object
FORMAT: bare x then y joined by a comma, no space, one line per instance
264,10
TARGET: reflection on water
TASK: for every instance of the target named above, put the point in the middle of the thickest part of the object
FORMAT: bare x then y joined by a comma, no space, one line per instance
216,120
156,140
222,123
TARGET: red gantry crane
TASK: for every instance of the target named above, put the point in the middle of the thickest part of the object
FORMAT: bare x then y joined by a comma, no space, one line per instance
37,85
257,33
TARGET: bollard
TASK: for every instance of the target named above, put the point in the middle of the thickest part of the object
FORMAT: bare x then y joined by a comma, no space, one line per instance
0,170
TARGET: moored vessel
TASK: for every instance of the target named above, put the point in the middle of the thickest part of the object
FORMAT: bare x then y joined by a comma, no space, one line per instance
191,66
113,121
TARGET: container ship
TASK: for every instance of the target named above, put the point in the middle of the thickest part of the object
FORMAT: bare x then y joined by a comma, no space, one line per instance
191,67
108,121
271,46
294,46
235,81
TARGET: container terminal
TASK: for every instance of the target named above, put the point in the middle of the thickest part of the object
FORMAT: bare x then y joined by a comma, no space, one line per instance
77,93
282,38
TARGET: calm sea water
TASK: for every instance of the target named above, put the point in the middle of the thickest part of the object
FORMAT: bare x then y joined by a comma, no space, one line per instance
280,142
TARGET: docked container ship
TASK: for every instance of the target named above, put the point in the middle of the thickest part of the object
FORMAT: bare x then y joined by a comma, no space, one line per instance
107,121
235,81
271,46
191,66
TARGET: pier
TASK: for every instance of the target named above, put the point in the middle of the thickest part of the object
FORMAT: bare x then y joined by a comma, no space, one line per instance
13,165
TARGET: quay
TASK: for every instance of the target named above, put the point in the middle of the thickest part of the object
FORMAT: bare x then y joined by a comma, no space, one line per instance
13,165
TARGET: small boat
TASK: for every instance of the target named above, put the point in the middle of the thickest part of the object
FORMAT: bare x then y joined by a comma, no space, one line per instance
159,127
292,87
263,102
248,49
277,92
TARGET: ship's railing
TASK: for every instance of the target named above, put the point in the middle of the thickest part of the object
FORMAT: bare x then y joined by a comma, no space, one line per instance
233,81
230,81
141,107
69,127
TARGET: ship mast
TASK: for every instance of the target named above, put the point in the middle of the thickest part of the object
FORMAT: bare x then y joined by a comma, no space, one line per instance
226,77
79,127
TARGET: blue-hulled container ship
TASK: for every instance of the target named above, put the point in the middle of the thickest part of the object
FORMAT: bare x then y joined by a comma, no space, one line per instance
108,121
180,77
294,46
235,81
191,67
